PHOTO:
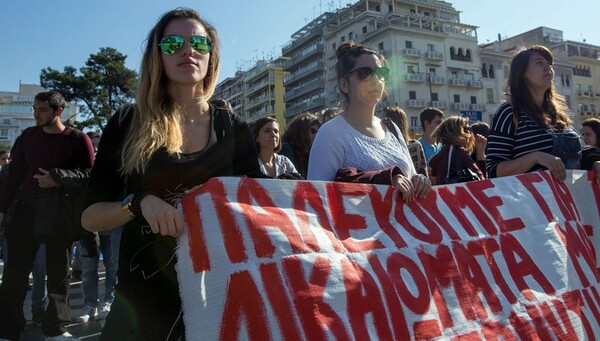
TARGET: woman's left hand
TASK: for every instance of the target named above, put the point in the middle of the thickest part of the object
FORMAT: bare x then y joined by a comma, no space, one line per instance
421,185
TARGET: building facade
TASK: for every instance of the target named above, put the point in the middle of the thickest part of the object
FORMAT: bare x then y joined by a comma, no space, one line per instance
16,111
305,82
257,92
433,56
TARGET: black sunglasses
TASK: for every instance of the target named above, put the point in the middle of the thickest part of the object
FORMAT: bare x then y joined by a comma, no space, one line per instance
382,73
169,45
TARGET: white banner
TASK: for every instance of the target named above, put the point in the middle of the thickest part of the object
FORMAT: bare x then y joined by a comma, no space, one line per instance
274,259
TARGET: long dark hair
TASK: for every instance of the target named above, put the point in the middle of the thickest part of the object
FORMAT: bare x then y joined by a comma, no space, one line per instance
553,111
297,134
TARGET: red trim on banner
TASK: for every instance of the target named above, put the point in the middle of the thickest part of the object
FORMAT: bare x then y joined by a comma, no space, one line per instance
511,247
316,315
244,306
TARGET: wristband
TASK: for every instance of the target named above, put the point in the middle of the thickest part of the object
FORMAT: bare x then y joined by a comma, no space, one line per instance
137,200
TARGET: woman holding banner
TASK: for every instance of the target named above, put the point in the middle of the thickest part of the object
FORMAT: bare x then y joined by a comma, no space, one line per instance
532,131
173,139
357,138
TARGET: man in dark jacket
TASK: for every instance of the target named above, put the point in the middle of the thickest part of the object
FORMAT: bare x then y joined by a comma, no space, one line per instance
44,213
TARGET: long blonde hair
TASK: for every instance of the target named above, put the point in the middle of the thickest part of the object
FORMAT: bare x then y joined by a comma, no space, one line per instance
156,120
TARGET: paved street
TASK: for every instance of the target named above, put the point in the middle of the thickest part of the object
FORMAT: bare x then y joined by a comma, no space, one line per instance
85,331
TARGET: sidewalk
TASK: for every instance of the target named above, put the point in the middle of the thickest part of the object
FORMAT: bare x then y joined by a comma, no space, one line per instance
89,331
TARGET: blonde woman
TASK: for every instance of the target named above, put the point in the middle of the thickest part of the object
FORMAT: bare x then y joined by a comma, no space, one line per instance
173,139
453,163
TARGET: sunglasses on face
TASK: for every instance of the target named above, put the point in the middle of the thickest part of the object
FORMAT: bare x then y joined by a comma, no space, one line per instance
382,73
169,45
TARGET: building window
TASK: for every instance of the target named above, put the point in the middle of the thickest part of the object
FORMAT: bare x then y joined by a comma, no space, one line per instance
468,55
490,95
452,53
378,8
390,8
430,47
408,44
491,71
381,46
434,96
456,98
3,132
484,73
568,81
412,68
334,47
414,122
473,99
351,35
6,121
412,95
364,29
342,39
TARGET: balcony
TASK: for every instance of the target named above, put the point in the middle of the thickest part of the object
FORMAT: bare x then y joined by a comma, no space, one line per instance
303,89
412,53
311,34
457,82
475,84
433,55
477,107
318,103
586,94
298,74
437,80
461,106
415,103
304,54
439,104
414,77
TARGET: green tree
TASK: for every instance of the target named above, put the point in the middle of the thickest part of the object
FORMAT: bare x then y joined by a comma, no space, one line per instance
99,88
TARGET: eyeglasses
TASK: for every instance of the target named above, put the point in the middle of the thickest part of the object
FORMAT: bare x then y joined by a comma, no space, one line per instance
169,45
382,73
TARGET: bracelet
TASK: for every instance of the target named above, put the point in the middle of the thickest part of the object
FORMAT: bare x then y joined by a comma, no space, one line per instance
137,200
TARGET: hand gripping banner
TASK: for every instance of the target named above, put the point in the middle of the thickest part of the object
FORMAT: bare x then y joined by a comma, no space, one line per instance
510,258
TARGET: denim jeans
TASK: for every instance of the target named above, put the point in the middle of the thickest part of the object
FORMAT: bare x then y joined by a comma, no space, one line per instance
38,290
567,147
89,273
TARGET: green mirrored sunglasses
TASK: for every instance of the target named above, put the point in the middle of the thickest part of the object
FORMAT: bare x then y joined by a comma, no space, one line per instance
169,45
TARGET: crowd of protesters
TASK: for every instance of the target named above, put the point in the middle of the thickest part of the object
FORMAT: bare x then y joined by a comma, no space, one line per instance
153,151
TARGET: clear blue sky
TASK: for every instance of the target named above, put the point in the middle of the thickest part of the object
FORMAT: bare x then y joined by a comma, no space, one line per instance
41,33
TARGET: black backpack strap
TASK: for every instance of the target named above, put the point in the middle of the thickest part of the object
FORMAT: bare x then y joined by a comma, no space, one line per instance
390,125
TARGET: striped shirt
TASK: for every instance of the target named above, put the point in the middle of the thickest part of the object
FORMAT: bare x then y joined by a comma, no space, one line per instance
505,144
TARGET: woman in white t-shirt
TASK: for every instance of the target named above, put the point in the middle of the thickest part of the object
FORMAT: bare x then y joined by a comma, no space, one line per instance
357,138
268,142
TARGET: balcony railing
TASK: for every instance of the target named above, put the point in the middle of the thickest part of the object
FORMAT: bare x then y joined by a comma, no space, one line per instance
434,55
416,103
478,107
457,82
414,77
412,53
461,106
439,104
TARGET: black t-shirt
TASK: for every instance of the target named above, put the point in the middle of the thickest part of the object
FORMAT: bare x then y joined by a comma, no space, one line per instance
589,155
143,254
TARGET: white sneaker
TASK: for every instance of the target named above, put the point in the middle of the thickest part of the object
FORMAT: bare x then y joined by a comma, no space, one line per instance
87,313
103,311
66,336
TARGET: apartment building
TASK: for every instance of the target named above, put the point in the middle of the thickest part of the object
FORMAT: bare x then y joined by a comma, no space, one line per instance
257,92
232,90
264,91
433,56
305,82
16,111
